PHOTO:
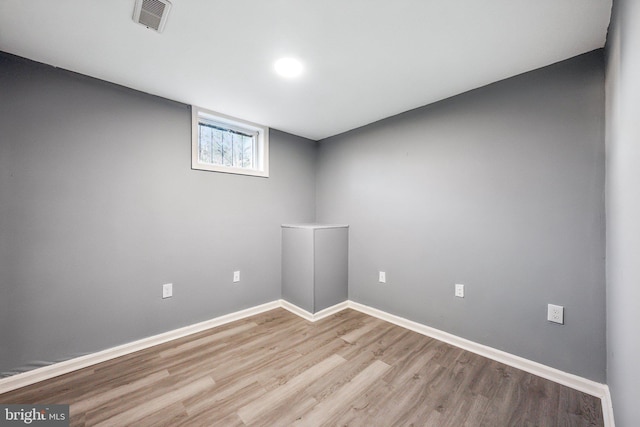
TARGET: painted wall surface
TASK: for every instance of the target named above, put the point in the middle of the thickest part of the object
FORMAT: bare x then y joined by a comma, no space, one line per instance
297,267
623,211
500,189
99,207
331,275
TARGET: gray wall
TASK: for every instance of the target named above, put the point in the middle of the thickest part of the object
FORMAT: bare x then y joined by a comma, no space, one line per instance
623,211
99,207
501,189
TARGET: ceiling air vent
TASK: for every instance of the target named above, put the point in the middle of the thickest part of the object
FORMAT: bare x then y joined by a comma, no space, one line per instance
152,13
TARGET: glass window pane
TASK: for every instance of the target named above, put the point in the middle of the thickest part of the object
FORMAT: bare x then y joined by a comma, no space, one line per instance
229,144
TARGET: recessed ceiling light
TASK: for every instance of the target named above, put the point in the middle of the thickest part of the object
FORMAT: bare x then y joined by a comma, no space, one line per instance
288,67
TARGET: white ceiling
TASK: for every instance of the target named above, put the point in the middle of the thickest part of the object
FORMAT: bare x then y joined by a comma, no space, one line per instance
364,59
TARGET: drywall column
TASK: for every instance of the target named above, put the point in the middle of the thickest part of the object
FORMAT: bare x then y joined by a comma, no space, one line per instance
314,265
623,211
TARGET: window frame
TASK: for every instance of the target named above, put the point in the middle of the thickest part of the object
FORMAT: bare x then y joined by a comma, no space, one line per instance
199,115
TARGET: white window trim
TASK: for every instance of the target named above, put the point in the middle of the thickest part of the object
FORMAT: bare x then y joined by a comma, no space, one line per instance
235,124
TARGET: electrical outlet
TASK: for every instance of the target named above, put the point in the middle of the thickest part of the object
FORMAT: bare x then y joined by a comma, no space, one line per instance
236,276
555,314
459,292
382,277
167,290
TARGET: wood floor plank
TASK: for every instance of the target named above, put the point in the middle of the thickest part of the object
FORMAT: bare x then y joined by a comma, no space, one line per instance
230,392
48,391
366,410
207,340
340,376
167,416
284,372
541,407
287,413
134,398
276,369
370,341
212,409
479,406
368,325
327,332
577,409
325,410
171,399
102,398
254,410
509,392
408,366
414,400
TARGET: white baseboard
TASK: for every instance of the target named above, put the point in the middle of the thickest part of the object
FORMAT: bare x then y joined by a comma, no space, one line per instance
584,385
296,310
56,369
313,317
46,372
607,409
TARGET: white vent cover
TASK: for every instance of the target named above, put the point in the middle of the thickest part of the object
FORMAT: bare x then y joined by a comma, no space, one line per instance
152,13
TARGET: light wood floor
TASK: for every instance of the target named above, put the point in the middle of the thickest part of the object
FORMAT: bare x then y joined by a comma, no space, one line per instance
276,369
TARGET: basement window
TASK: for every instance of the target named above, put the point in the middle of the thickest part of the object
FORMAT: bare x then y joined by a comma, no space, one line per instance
225,144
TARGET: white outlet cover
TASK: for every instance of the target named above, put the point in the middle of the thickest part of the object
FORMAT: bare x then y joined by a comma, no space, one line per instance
382,277
459,290
236,276
555,314
167,290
